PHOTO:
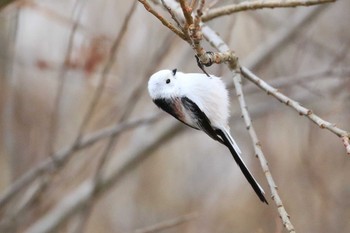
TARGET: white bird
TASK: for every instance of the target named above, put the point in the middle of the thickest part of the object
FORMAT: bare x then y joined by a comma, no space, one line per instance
202,103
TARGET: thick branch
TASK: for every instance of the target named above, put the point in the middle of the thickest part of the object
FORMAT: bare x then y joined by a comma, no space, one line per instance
259,4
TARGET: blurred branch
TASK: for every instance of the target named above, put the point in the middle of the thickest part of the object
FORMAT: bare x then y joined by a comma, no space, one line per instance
168,223
258,4
62,156
53,127
4,3
90,190
293,104
111,60
12,218
281,37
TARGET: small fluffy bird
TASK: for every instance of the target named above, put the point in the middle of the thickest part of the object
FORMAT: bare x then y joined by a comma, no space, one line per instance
202,103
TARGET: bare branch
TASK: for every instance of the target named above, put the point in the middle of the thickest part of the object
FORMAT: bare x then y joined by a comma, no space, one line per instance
195,37
217,42
187,10
163,20
293,104
309,76
259,4
173,16
259,153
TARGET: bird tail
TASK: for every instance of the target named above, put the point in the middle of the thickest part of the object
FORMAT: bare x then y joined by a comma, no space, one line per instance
235,151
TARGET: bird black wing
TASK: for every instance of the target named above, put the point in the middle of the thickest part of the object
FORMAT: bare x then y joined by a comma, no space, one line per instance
176,108
172,106
204,124
199,117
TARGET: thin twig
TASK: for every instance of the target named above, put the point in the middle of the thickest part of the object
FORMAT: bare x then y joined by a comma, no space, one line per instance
173,16
193,32
112,140
281,37
293,104
62,79
132,101
309,76
168,223
186,9
219,44
259,153
111,60
163,20
258,4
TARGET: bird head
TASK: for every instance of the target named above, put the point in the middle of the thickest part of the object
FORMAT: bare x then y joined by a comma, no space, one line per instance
164,84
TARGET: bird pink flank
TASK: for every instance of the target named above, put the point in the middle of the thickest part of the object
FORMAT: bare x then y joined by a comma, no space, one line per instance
202,103
179,109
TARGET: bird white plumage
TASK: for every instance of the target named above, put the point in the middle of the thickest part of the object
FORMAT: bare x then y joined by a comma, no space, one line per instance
201,102
209,93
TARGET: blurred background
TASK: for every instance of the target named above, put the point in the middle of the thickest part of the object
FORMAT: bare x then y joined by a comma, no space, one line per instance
56,55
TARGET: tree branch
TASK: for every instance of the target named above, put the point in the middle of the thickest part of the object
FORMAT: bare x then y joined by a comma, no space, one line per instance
217,42
293,104
258,4
4,3
259,153
54,121
163,20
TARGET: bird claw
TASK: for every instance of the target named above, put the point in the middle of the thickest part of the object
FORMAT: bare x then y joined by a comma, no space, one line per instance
200,64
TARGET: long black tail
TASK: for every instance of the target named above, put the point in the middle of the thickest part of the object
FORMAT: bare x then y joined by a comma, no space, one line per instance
228,141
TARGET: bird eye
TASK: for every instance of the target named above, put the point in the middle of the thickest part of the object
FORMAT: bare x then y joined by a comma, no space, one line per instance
167,81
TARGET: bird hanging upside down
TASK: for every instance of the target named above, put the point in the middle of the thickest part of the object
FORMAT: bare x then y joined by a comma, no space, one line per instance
201,102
